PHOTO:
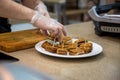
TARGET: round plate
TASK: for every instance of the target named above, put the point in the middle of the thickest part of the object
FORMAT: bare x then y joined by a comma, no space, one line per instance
97,49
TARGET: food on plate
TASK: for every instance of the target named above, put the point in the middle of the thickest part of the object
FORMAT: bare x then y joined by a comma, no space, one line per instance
87,47
51,36
45,44
72,46
79,41
62,51
80,51
66,40
67,46
73,51
49,47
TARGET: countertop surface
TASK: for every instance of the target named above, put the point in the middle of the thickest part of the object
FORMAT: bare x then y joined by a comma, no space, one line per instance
105,66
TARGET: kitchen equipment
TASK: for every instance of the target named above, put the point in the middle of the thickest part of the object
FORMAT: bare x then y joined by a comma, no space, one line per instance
105,23
13,41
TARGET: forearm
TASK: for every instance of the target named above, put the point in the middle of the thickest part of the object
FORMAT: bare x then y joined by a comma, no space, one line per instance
31,3
37,5
11,9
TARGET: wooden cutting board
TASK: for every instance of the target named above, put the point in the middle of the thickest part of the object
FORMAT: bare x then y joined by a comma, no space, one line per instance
13,41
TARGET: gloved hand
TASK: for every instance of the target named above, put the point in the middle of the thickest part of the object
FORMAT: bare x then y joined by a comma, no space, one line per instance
42,9
48,24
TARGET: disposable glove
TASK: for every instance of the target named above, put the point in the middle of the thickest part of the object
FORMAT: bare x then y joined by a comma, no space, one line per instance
48,24
42,9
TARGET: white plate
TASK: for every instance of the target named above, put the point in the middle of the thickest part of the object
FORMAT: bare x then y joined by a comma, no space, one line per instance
97,49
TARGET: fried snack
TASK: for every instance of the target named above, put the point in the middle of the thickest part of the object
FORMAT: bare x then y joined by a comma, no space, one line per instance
62,51
80,46
51,36
80,51
79,41
62,45
48,47
76,51
46,43
51,49
72,46
59,46
66,40
73,51
87,47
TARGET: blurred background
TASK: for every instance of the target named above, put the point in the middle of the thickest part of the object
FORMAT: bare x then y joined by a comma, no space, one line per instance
65,11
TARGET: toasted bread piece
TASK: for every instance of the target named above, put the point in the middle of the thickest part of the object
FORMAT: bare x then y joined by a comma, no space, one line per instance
72,46
51,36
76,51
73,51
87,47
80,41
62,51
51,49
67,40
61,45
46,43
80,51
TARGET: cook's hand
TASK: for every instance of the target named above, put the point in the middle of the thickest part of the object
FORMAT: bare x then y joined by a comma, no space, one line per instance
46,23
42,9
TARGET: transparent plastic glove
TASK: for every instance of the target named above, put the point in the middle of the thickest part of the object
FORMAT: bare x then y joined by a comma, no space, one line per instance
42,9
48,24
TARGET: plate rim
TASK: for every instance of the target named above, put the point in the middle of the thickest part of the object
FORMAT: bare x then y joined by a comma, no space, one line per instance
68,56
